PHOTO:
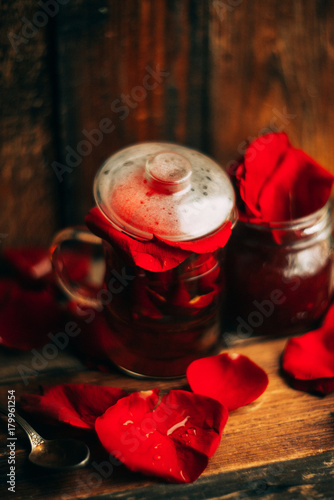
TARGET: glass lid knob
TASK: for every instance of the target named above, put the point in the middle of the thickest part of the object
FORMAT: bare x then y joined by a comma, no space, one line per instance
168,172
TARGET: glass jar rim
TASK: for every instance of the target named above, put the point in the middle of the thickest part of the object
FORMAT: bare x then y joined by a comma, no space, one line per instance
293,224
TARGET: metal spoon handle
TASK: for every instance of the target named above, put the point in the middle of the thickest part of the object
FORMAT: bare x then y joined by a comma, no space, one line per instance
34,438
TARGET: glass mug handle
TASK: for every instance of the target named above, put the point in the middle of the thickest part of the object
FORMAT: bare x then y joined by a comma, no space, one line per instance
80,292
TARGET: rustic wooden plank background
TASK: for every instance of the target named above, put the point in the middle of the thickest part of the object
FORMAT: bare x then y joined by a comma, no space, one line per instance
232,69
28,192
272,65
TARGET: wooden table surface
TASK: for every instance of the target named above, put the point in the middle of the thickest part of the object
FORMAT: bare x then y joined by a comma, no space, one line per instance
280,446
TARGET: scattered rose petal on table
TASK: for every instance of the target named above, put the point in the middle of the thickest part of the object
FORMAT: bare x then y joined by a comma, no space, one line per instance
308,361
75,404
30,262
34,263
232,379
170,438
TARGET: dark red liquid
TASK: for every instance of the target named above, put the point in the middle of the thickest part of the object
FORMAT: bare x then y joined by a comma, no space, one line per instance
160,322
277,289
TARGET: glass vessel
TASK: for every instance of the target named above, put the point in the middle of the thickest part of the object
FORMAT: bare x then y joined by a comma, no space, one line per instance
280,276
158,321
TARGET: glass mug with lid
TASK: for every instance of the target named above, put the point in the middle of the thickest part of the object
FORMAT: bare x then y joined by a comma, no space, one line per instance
158,320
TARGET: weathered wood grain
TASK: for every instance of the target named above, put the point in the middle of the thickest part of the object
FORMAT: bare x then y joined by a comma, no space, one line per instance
283,443
272,66
28,202
232,69
107,51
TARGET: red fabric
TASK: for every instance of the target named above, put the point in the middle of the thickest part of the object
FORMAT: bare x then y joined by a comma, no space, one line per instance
308,361
171,438
276,182
157,254
75,404
232,379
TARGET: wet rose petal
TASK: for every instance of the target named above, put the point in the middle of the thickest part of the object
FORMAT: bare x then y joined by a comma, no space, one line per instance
232,379
27,315
171,438
277,182
75,404
142,305
180,302
308,361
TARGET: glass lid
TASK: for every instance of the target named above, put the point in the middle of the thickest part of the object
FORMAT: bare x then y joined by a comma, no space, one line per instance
166,190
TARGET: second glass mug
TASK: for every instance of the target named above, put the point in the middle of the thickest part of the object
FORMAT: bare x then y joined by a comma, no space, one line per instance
159,321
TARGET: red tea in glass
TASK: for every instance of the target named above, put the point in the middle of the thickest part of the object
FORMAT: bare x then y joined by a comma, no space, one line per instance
168,195
280,275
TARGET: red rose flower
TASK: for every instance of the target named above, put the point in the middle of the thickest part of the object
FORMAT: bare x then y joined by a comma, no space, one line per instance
276,182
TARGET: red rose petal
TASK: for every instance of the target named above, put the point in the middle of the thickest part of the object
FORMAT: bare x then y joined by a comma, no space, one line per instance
142,305
299,187
277,182
308,361
157,254
171,439
234,380
151,255
30,262
181,303
77,264
34,263
207,244
203,423
75,404
262,158
27,315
